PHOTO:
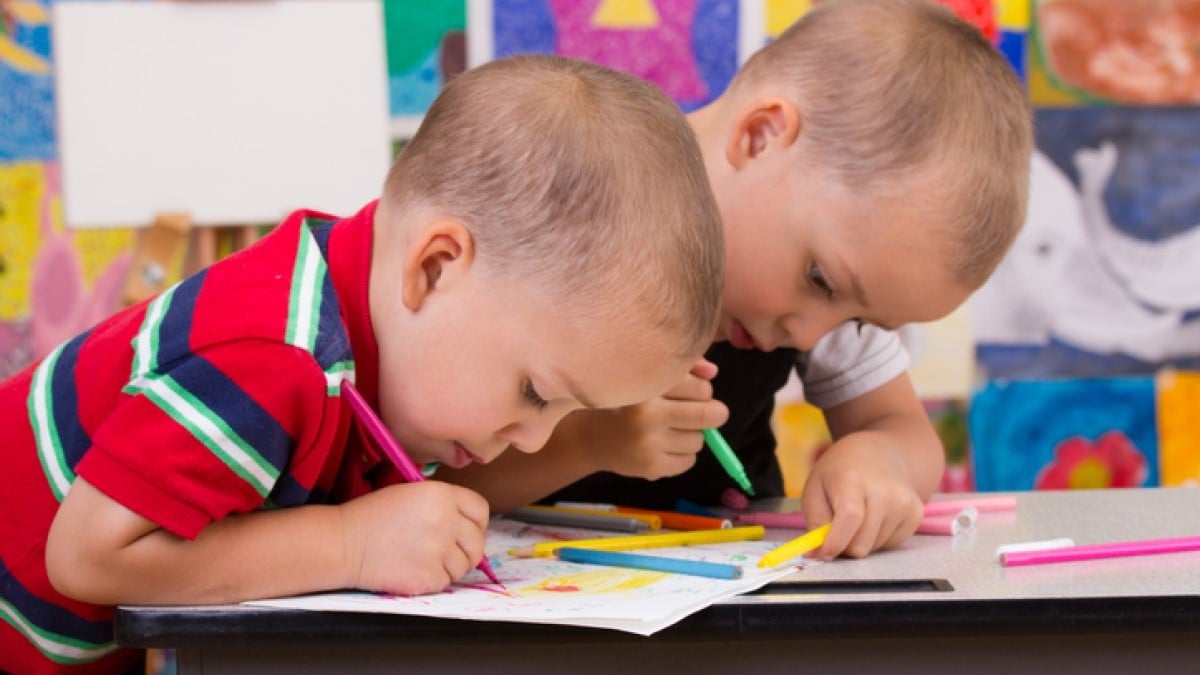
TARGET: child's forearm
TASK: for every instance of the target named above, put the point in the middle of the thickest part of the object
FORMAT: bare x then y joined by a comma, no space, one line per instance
895,414
917,446
110,555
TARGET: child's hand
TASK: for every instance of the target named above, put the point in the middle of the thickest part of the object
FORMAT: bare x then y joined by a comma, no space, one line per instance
863,490
660,437
414,538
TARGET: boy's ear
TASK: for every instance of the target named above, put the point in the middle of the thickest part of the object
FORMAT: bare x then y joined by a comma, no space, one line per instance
763,124
438,256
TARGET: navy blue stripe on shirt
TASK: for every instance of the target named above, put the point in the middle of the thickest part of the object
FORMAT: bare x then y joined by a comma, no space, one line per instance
49,616
244,415
65,396
175,329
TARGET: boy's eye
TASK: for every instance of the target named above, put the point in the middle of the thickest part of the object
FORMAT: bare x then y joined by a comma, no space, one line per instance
531,396
817,278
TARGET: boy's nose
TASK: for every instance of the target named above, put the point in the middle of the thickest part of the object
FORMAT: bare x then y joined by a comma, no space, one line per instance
530,435
804,331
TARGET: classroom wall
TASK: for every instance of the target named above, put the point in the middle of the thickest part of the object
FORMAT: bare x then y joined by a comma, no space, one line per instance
1071,368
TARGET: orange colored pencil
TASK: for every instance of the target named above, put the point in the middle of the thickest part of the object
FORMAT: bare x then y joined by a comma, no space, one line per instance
674,520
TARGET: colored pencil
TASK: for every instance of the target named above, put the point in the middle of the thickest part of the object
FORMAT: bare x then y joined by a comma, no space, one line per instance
963,521
672,520
697,568
1100,551
588,506
687,506
809,541
652,520
1041,545
696,537
681,521
795,521
544,515
945,507
392,448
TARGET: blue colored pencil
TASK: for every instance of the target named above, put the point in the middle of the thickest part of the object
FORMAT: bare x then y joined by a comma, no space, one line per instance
697,568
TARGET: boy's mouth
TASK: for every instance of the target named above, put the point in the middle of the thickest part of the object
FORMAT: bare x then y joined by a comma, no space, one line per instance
741,338
462,457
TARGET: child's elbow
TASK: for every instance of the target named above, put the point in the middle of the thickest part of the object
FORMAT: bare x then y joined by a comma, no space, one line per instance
70,571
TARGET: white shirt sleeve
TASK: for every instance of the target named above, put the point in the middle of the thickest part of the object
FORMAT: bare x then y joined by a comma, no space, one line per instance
847,363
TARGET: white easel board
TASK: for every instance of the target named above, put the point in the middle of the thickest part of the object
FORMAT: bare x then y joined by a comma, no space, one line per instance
233,112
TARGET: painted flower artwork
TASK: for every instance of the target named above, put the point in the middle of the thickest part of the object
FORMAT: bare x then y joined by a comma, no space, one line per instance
1111,461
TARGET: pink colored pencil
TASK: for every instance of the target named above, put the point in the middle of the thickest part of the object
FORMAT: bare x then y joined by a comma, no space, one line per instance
794,521
962,521
391,447
1101,551
948,507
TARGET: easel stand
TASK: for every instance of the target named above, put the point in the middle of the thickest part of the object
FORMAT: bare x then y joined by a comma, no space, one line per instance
171,235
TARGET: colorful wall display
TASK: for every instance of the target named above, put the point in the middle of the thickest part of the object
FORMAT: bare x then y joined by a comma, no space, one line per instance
1064,434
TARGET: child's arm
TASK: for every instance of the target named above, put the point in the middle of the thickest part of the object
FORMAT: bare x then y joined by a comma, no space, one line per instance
650,440
871,483
404,539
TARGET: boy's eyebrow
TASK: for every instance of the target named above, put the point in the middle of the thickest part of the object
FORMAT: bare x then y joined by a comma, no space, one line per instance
859,294
574,391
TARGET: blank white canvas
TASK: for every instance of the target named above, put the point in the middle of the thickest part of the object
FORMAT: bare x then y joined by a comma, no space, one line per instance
234,112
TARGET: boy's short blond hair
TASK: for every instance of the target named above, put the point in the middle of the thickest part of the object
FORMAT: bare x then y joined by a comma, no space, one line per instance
577,177
888,89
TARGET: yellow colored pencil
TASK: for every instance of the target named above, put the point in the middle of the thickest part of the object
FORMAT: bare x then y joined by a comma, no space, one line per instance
809,541
547,548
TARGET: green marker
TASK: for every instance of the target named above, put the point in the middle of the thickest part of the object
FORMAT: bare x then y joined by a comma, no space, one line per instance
729,461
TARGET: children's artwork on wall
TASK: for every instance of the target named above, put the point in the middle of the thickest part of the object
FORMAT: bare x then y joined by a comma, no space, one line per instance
1004,22
1102,280
26,81
547,590
686,47
1116,51
54,283
1012,39
426,47
1064,434
1179,427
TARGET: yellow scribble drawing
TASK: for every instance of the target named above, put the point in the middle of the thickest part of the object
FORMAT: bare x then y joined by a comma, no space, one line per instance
626,15
25,12
611,580
22,187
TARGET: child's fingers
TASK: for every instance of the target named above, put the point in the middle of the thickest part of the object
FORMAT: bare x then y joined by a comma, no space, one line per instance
693,418
704,369
473,507
690,388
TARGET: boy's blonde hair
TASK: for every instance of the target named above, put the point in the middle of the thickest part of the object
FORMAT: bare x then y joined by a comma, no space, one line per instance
582,179
889,88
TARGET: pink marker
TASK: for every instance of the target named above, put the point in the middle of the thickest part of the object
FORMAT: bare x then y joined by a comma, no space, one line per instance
794,521
963,521
384,439
947,507
1101,551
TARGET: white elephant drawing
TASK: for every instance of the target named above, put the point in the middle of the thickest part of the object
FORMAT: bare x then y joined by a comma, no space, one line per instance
1074,277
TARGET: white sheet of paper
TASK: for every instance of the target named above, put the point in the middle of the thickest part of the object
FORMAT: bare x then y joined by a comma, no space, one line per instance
547,590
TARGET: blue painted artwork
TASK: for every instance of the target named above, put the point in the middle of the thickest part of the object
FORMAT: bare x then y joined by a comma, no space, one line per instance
26,83
1064,434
